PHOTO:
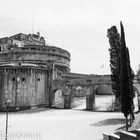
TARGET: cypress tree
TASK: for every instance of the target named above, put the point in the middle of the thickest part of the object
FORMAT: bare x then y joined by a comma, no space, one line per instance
125,79
131,88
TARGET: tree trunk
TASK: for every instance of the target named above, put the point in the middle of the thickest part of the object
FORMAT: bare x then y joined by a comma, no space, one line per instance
126,123
131,119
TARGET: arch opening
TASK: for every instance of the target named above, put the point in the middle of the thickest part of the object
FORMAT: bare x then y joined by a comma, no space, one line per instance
78,98
136,99
58,99
104,98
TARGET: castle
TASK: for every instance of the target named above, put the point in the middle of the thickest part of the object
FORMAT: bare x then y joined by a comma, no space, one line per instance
27,68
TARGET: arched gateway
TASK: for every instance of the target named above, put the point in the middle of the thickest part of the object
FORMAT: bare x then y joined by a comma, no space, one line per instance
69,87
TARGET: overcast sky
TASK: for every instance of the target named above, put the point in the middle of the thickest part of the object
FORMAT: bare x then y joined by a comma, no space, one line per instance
79,26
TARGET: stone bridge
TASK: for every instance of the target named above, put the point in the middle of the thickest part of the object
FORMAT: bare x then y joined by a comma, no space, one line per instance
89,86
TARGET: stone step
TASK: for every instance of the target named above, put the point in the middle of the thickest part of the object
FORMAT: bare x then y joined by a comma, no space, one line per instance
110,136
124,135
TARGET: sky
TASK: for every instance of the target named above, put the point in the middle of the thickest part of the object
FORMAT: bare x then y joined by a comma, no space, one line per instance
79,26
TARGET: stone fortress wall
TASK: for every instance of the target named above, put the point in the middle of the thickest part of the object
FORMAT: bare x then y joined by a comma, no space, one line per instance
102,89
36,54
103,81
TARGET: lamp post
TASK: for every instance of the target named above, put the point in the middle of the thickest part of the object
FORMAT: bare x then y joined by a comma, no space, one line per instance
7,109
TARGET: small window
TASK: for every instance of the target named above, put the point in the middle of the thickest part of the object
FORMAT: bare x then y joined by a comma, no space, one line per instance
33,48
24,48
23,79
13,79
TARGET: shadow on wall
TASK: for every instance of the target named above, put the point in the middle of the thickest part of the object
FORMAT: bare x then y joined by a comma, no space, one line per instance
104,90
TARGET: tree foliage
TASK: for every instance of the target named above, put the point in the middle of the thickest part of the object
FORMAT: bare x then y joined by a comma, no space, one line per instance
114,40
122,75
126,78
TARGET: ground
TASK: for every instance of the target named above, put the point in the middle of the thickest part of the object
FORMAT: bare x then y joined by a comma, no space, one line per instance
59,124
136,124
102,102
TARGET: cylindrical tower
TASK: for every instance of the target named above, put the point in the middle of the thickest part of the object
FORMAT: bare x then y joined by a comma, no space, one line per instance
26,74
